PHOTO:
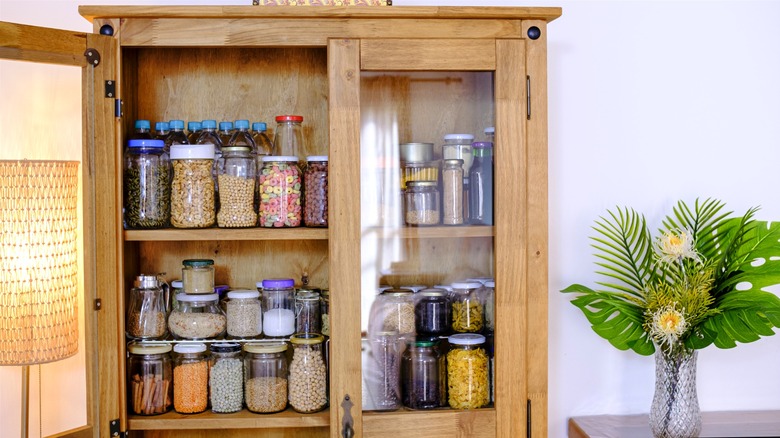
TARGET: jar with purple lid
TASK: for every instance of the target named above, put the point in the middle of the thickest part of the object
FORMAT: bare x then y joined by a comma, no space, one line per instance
278,297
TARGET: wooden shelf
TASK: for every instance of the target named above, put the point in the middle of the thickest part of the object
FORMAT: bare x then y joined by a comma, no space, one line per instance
439,232
238,420
172,234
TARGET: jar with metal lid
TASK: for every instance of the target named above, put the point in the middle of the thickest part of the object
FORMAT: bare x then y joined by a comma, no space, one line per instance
325,311
244,314
418,171
307,312
147,310
192,187
452,192
280,186
226,377
467,372
468,313
392,310
421,203
198,317
146,182
236,174
278,295
432,312
384,377
190,378
265,377
308,389
288,136
316,188
481,184
415,152
198,276
149,379
458,146
423,376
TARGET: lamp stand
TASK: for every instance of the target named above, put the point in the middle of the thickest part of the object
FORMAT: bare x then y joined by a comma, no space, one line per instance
25,399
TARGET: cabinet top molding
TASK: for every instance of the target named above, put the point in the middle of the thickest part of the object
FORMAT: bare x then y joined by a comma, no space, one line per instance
92,13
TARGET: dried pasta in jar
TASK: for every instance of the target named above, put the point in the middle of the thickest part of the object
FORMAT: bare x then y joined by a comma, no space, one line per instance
467,372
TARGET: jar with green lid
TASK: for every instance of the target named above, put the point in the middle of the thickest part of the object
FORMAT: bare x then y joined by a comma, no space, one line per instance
421,203
280,185
198,317
193,188
325,311
392,310
308,389
226,377
265,377
190,378
468,315
244,314
149,379
423,376
236,173
307,311
198,276
467,372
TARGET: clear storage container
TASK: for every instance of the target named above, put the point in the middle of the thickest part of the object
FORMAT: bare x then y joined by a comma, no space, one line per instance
384,377
236,178
288,137
325,311
308,389
265,381
421,203
244,314
432,312
226,378
192,187
190,378
481,184
423,376
458,146
468,314
316,190
198,276
280,186
307,312
198,317
149,379
392,310
452,192
147,311
278,295
146,182
467,372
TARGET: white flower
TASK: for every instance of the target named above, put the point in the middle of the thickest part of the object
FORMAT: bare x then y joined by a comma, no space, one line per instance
674,247
668,325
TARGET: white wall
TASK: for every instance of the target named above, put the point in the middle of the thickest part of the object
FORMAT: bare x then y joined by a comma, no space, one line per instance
650,102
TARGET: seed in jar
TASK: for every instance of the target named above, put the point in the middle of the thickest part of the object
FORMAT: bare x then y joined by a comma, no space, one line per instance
147,196
307,385
280,186
192,194
190,387
422,217
196,325
266,394
146,325
236,202
467,378
226,379
244,318
400,318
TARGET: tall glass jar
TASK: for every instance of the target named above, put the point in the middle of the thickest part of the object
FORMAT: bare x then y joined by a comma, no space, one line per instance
190,378
280,185
432,312
278,307
149,379
423,376
384,377
177,287
244,314
265,377
236,175
481,184
226,378
147,310
308,389
198,317
288,137
458,146
198,276
307,312
452,192
325,311
316,189
192,187
467,372
392,311
421,203
468,312
146,183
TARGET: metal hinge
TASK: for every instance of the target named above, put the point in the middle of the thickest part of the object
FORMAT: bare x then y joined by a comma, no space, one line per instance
93,57
113,428
528,97
528,418
118,107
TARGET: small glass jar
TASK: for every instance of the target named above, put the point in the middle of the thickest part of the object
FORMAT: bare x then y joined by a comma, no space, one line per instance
307,312
198,276
226,378
452,192
244,314
236,173
432,312
279,184
288,136
192,187
325,311
490,134
467,372
421,203
278,307
146,183
190,378
481,184
265,377
419,171
308,389
147,310
468,315
458,146
316,188
198,317
384,377
149,376
392,311
423,376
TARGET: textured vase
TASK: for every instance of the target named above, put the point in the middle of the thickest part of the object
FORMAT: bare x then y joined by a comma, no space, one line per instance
675,410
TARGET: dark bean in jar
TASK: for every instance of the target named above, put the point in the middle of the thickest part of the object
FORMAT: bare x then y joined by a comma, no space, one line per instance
316,189
432,312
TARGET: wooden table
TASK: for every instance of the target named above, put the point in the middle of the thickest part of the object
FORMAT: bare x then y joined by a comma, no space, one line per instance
714,424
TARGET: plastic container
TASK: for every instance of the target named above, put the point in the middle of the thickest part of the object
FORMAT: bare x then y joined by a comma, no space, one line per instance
198,317
147,311
488,292
146,184
278,296
467,372
226,378
244,314
468,315
490,134
307,386
384,377
458,146
177,134
421,203
236,178
423,376
142,131
190,378
225,131
481,184
325,312
452,192
149,379
263,144
210,135
193,131
265,377
432,312
288,137
307,312
198,276
192,188
392,311
316,188
280,186
161,130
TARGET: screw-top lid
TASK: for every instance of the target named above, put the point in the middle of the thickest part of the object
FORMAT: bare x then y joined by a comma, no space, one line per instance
467,339
453,162
482,280
208,124
242,148
259,126
490,284
490,130
177,284
466,285
446,287
225,126
145,281
176,124
311,158
432,292
278,283
422,184
161,126
242,124
424,343
307,296
142,124
289,118
397,292
225,347
242,294
189,348
482,145
145,143
204,151
196,298
285,158
194,126
197,263
459,137
414,287
306,338
136,348
265,348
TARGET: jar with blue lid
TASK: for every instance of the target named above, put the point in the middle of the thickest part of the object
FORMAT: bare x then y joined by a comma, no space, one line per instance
146,184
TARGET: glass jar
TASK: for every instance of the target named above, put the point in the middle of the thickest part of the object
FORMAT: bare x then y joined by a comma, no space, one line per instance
421,203
265,377
423,376
481,184
325,311
149,375
488,292
467,371
392,311
198,276
244,314
279,185
236,173
490,134
458,146
190,378
432,312
177,287
288,137
384,377
316,188
198,317
192,186
452,192
278,307
419,171
467,309
226,378
146,183
308,389
307,312
147,310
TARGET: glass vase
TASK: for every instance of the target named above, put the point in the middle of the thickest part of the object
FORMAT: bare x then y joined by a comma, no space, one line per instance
675,409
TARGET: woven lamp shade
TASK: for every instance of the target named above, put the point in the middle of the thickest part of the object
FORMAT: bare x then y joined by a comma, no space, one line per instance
38,261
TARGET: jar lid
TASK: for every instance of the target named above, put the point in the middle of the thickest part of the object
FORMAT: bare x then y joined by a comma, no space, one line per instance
283,158
259,126
466,285
177,284
176,124
425,343
453,161
145,143
397,292
432,292
242,124
146,281
491,284
416,151
465,137
241,294
197,263
289,118
203,151
467,339
142,124
306,338
265,348
446,287
236,149
482,145
189,348
490,130
190,298
317,158
225,347
422,184
307,296
419,164
278,283
148,348
325,293
415,287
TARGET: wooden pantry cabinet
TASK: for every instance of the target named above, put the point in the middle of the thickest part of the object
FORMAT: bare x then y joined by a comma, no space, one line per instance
365,79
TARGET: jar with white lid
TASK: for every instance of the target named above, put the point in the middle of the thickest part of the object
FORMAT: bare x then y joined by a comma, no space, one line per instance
467,372
458,146
190,378
198,276
280,189
244,314
278,295
149,373
198,317
265,377
192,187
467,308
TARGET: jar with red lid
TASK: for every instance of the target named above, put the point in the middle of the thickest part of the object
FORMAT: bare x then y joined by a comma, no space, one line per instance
288,137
